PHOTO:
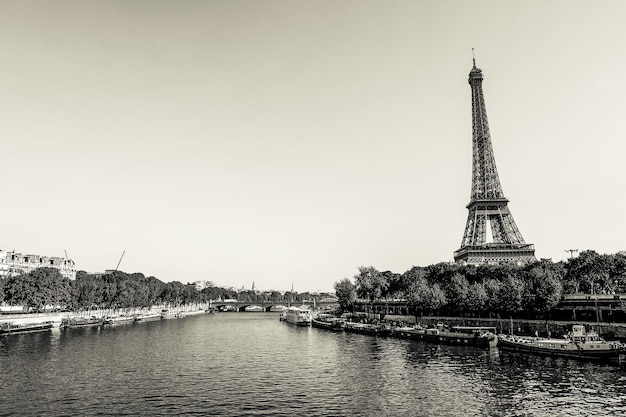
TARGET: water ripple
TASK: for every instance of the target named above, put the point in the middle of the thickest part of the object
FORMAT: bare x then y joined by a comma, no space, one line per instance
250,364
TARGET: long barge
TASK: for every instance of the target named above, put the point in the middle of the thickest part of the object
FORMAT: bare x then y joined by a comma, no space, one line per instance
80,321
457,335
578,344
121,319
15,328
368,328
328,322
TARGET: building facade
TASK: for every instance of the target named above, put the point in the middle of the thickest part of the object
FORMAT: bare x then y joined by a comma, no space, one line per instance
12,263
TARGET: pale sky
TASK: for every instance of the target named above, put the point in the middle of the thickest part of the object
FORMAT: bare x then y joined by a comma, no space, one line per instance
290,141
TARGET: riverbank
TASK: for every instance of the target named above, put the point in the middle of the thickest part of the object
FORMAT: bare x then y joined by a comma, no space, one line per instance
56,317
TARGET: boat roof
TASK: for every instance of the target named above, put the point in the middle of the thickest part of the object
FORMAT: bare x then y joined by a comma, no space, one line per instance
474,327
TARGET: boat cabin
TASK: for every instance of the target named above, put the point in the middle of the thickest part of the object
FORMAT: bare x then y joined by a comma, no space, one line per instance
474,329
579,334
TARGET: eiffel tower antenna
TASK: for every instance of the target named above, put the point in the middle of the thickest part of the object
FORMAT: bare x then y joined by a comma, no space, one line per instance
488,206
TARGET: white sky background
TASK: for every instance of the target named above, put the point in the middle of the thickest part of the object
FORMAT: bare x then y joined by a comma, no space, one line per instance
290,142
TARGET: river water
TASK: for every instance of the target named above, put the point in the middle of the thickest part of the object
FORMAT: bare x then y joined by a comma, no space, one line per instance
251,364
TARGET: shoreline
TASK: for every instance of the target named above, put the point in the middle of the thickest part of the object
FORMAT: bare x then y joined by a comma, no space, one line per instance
56,317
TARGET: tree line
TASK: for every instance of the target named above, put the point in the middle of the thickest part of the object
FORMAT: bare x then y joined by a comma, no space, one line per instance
118,290
43,287
449,288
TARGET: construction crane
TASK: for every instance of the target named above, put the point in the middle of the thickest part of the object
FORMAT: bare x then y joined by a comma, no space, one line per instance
120,261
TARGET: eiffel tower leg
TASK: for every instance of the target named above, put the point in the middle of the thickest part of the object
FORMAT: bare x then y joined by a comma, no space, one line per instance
475,228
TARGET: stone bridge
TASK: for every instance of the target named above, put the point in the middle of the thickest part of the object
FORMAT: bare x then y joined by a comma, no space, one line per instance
266,306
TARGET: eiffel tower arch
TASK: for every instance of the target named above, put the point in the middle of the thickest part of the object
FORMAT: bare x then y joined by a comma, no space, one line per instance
488,208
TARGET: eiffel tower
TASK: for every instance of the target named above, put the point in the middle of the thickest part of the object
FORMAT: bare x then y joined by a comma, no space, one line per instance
487,205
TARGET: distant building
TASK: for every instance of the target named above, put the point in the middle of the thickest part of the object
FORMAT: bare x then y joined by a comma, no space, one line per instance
200,285
12,263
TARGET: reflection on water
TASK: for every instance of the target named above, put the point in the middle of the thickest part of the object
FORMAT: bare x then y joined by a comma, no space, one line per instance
250,364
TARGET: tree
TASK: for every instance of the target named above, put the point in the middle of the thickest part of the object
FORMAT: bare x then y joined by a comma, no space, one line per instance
543,286
498,272
436,298
457,292
85,291
441,273
174,293
476,297
108,291
396,287
588,273
38,288
409,280
511,293
492,290
420,293
370,283
548,293
346,293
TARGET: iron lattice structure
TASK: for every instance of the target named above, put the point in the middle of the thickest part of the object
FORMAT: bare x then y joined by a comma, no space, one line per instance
488,206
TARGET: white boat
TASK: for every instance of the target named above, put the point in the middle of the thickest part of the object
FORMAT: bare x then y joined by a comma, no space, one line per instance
253,308
298,316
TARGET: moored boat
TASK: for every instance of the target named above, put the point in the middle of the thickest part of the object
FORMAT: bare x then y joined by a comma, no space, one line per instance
253,308
368,328
147,316
578,344
170,314
457,335
80,321
14,328
121,319
328,322
298,316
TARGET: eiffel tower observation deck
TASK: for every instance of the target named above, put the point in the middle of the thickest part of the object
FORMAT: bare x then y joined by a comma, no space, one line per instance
488,207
